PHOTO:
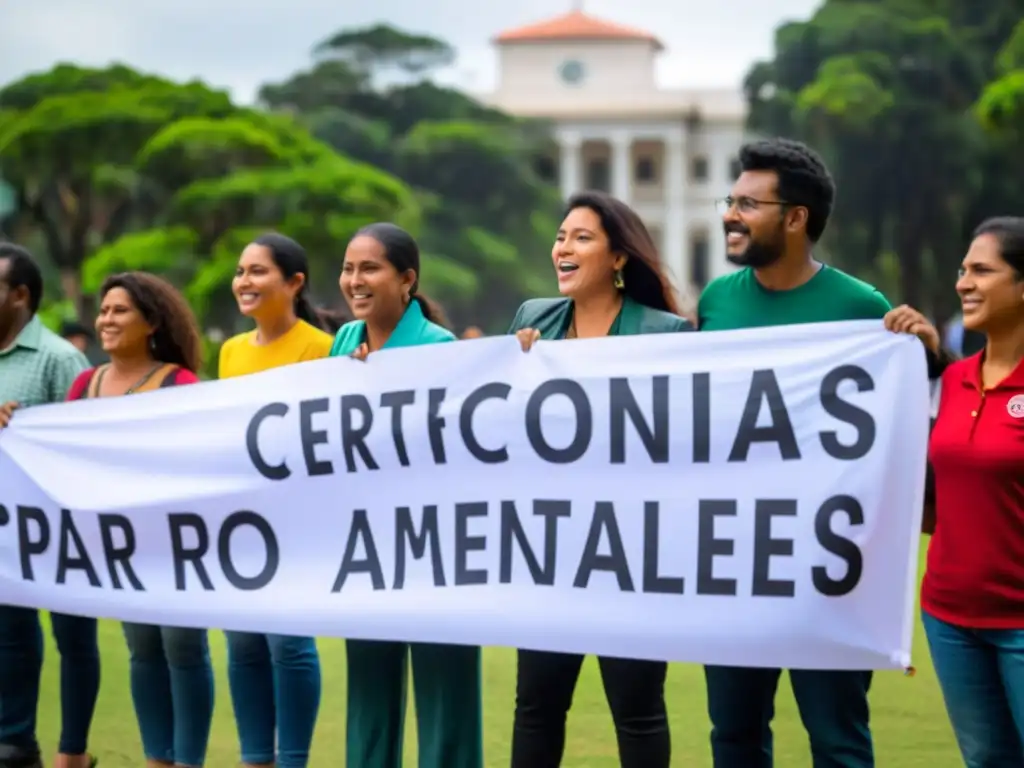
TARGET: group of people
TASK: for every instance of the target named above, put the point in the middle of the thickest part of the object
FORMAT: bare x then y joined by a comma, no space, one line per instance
610,282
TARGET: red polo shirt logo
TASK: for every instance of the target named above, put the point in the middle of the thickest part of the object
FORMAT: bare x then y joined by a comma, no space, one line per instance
1016,406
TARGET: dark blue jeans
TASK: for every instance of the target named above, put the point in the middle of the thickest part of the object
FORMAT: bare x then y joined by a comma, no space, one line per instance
172,689
275,685
981,672
833,707
21,663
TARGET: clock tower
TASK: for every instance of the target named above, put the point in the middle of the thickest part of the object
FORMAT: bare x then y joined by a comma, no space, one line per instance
575,56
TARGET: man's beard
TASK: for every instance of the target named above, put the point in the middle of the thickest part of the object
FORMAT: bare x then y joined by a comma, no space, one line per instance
757,254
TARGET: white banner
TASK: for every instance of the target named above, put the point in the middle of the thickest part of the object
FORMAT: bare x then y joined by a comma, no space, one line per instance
749,498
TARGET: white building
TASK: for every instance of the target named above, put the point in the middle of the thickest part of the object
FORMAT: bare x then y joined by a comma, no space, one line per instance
668,153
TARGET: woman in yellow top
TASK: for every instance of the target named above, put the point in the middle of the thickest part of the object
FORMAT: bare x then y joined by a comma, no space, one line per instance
274,679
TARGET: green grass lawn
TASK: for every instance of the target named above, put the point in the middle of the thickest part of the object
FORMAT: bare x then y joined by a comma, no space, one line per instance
909,722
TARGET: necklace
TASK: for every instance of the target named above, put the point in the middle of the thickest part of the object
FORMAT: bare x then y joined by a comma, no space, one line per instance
141,382
144,379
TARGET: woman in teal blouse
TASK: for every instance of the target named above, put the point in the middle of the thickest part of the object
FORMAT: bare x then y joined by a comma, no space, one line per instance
379,280
612,284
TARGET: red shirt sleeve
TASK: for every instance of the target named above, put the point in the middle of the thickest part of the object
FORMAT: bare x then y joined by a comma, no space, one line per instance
80,385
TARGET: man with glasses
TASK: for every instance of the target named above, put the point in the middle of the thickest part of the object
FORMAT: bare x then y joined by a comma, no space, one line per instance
777,211
36,367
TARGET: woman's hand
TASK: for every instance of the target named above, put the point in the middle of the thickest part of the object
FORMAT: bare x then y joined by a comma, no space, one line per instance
527,337
906,319
6,412
361,352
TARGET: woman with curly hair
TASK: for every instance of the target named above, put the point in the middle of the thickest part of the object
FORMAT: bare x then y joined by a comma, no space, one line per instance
148,330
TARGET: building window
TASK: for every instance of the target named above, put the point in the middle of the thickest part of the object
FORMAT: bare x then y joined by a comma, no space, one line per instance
646,171
735,169
598,175
699,254
699,169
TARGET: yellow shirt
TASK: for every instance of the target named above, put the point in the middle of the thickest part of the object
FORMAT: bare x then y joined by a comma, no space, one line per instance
241,355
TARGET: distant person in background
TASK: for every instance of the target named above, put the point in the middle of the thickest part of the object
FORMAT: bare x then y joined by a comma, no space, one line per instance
612,284
380,281
963,341
148,330
77,334
83,340
972,594
473,332
776,213
274,679
37,367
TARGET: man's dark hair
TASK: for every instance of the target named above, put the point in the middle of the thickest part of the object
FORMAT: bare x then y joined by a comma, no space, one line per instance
22,270
74,328
803,178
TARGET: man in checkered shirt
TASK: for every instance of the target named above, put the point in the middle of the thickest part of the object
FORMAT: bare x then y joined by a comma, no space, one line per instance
36,367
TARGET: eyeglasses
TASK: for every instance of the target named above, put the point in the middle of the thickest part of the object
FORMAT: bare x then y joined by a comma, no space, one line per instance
744,204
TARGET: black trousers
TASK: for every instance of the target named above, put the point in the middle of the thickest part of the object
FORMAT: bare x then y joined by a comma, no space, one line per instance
545,684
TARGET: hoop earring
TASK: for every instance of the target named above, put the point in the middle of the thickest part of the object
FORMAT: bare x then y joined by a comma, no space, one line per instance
620,281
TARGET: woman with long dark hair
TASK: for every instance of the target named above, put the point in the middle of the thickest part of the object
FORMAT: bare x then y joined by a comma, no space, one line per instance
612,284
972,595
149,332
380,281
274,679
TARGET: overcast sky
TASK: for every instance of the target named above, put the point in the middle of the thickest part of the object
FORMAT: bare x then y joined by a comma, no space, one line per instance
239,44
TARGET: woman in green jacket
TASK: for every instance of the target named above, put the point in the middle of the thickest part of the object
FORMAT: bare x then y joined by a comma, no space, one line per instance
380,280
613,284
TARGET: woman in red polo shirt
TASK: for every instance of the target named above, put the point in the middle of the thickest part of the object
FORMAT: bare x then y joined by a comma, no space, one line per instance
972,597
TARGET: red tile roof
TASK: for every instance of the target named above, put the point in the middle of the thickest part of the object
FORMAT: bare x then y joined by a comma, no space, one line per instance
575,25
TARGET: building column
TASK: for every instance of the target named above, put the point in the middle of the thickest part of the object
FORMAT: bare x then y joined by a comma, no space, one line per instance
622,145
570,145
676,252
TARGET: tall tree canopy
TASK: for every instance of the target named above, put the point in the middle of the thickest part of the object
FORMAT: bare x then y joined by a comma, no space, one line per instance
121,170
885,90
488,219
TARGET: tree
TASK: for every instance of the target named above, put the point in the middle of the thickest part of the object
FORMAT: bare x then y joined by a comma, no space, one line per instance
1000,111
330,82
382,48
228,180
1001,107
884,90
68,141
121,170
497,232
486,215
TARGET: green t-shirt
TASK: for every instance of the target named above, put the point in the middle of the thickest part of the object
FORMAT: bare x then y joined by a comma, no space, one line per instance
738,300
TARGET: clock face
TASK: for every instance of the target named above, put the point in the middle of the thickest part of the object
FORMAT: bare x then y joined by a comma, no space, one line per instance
572,72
